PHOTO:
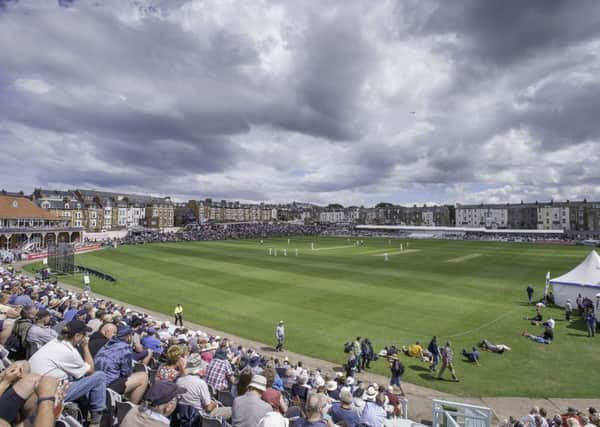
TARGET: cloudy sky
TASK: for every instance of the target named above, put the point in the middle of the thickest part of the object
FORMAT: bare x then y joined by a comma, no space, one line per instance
349,101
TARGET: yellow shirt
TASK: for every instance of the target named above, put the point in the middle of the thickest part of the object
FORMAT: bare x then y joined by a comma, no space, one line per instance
178,310
415,350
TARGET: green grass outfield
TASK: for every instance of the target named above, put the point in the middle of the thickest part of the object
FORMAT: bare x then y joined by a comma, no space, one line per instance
463,291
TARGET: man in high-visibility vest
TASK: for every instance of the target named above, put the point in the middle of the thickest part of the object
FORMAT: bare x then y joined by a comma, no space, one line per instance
179,315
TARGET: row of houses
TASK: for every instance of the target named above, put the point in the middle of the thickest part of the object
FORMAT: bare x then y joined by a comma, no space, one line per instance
97,210
102,211
576,216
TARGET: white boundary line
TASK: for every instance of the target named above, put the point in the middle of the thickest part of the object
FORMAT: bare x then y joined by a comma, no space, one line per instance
485,325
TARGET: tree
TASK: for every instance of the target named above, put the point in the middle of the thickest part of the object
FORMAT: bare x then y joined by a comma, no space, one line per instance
383,205
334,206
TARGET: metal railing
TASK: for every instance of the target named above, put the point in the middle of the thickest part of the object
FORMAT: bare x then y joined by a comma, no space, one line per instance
454,414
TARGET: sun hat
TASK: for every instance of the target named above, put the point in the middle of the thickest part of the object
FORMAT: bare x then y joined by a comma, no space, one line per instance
258,382
331,385
349,381
370,393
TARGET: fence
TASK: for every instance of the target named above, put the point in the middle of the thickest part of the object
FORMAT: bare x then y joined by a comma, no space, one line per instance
454,414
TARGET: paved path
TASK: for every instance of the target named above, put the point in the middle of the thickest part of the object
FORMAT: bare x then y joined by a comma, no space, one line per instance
419,398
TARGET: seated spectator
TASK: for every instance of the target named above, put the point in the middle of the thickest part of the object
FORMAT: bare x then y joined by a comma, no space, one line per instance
393,401
594,416
494,348
17,385
96,322
344,410
115,360
60,358
243,381
198,395
175,366
373,414
271,396
273,419
299,389
101,337
249,409
472,356
161,403
416,350
333,390
20,331
571,418
313,415
219,373
151,342
40,333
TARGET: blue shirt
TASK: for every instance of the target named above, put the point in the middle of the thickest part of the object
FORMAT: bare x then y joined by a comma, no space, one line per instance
152,343
348,416
278,383
23,300
70,314
373,415
303,422
114,359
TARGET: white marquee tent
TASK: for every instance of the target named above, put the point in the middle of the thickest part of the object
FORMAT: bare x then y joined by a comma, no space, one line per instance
583,279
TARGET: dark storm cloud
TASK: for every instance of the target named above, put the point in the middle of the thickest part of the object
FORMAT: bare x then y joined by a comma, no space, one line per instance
507,31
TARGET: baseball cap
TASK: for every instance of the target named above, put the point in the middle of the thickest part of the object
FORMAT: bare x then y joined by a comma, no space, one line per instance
77,326
162,392
123,331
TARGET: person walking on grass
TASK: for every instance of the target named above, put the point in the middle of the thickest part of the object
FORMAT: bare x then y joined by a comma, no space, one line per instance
178,315
530,294
447,357
280,335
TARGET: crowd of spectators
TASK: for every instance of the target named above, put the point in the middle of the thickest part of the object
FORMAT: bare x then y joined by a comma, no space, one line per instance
219,231
539,417
71,359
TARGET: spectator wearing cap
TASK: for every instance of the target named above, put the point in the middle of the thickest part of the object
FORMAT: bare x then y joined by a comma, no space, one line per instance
248,409
219,373
373,414
116,361
161,403
101,337
60,358
344,411
40,333
272,396
198,395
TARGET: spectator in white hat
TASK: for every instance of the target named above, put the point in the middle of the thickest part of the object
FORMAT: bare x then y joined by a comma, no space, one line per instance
249,409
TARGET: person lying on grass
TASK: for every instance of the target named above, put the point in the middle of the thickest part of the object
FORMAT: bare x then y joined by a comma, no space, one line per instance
493,348
538,339
472,356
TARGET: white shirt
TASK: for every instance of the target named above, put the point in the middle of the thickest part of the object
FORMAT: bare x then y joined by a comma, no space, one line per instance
58,359
551,323
197,394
